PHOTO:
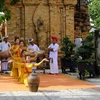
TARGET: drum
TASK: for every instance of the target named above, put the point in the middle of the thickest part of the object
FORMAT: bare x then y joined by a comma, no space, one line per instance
40,53
5,54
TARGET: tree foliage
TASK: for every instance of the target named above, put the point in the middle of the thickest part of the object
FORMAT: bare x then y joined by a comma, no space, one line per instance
94,10
14,2
5,10
68,48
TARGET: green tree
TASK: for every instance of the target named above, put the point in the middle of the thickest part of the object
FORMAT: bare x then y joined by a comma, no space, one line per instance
5,10
94,10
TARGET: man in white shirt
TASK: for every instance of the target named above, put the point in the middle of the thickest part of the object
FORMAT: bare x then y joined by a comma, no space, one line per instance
78,43
0,44
33,47
5,45
0,51
53,55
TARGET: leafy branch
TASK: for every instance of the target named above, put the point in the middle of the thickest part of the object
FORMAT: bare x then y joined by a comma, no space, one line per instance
5,10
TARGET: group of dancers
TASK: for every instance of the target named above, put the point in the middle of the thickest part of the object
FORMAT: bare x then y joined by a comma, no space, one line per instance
23,57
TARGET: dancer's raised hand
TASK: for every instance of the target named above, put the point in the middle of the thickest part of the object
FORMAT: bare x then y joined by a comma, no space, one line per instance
45,59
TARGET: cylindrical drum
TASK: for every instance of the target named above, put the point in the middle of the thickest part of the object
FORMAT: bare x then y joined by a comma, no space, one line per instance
33,82
5,54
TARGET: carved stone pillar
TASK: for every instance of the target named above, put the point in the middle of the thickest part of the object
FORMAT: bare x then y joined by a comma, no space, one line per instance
70,2
54,20
69,18
69,28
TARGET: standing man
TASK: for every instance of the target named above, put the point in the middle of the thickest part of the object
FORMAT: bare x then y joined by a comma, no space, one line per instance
0,44
78,43
5,45
33,47
0,51
53,55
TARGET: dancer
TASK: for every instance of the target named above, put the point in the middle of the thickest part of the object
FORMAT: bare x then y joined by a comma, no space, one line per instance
27,67
16,56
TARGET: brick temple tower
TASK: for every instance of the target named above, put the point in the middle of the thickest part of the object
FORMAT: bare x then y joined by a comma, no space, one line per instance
40,19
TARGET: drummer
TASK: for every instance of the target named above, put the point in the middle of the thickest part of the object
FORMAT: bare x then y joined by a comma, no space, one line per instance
33,47
5,45
0,51
0,44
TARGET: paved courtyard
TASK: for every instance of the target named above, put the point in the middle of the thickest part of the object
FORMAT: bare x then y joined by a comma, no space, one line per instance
71,94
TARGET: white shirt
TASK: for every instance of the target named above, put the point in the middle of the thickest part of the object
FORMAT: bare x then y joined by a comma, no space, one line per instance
54,53
78,42
34,47
4,46
0,46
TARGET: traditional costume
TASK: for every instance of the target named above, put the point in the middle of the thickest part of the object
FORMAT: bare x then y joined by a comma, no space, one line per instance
16,57
26,70
53,55
22,68
33,47
3,47
0,51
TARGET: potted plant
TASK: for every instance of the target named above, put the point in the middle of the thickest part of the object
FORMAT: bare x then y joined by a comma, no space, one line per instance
86,59
68,60
97,51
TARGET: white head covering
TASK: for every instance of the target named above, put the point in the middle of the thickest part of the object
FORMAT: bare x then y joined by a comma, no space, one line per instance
30,40
5,37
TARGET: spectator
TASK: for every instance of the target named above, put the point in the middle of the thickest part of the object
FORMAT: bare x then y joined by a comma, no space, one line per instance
78,43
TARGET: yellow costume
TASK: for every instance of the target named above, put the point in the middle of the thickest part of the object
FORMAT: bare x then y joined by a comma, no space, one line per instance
26,70
16,58
22,68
